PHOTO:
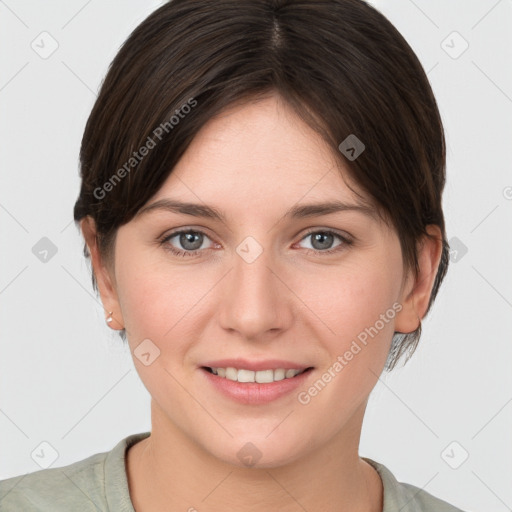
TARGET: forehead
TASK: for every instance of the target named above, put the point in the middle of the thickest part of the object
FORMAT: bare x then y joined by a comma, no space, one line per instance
260,153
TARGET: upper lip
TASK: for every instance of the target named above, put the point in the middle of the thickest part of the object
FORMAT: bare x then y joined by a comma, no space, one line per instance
245,364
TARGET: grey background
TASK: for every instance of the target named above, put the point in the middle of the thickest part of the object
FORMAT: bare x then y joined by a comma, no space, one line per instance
66,379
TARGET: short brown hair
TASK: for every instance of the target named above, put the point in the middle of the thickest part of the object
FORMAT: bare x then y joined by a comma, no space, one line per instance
340,64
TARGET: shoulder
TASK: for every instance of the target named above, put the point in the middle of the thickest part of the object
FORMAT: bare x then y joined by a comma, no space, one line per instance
406,497
83,485
56,488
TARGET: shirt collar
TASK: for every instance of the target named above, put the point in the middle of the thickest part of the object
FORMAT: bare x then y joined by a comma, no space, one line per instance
396,498
116,477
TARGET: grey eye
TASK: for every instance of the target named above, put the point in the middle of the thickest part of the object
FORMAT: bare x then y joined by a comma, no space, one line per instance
322,240
191,240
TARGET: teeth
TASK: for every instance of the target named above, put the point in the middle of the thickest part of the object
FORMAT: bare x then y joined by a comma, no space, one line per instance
279,374
246,376
264,376
261,376
231,374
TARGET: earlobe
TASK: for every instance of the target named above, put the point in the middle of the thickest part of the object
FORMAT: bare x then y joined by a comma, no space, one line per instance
113,323
104,280
416,293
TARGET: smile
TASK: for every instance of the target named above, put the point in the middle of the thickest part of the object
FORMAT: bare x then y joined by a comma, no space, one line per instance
260,376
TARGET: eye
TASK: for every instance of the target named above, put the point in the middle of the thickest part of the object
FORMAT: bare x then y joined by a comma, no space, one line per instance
322,241
190,241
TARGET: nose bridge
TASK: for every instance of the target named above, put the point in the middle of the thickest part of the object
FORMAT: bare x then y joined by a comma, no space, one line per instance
254,302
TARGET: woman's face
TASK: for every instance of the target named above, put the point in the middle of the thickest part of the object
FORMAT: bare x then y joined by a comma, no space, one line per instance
270,285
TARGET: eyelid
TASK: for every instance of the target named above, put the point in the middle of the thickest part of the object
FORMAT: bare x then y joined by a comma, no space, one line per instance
345,239
164,239
204,231
342,234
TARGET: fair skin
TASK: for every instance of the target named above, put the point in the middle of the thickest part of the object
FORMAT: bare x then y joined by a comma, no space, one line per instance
253,163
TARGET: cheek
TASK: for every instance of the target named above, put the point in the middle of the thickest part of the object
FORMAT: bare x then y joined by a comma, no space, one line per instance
141,300
349,299
156,306
158,300
356,304
140,290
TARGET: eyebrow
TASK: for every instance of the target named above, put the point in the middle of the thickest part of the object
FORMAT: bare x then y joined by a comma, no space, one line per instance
296,212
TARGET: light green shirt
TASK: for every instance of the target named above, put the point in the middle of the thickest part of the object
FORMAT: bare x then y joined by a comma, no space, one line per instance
99,483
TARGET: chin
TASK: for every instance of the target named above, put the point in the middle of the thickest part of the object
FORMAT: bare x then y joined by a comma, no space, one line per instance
257,452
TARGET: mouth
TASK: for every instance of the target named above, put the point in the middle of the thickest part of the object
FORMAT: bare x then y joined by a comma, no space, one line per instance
254,381
265,376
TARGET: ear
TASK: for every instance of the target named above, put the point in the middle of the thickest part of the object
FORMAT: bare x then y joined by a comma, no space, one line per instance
416,292
104,279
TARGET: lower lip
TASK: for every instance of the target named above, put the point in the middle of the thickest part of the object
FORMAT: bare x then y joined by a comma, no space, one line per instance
253,392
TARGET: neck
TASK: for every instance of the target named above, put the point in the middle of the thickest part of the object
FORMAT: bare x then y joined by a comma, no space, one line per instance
169,471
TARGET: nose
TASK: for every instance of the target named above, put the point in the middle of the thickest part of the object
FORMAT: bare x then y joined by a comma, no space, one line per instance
256,302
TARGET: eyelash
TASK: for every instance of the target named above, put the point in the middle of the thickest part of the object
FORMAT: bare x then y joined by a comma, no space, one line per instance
346,242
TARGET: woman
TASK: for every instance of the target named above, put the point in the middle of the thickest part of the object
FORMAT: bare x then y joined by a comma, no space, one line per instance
261,202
